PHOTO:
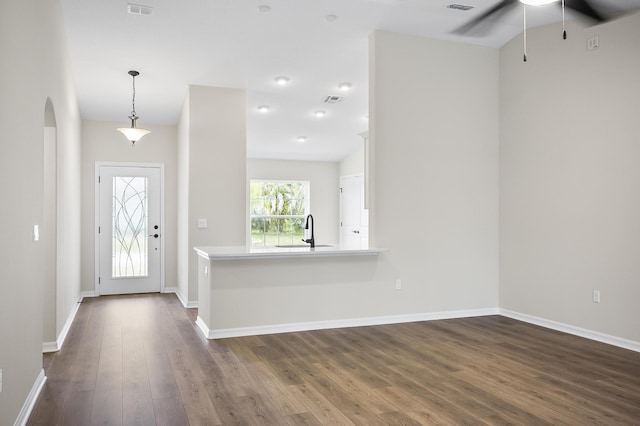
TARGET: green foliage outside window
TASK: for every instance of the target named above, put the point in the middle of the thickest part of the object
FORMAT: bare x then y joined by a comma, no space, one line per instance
278,211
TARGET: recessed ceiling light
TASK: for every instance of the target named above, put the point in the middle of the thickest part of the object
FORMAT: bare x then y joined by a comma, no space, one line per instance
282,80
264,108
320,113
302,139
344,86
264,8
330,18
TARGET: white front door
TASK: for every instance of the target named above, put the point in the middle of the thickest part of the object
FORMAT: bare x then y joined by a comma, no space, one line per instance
129,229
354,218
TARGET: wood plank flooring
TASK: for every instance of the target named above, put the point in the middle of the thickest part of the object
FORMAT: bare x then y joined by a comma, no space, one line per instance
139,360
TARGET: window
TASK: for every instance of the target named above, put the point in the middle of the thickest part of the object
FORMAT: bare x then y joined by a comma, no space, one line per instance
277,210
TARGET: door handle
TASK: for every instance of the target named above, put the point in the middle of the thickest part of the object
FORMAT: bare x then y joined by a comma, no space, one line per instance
155,235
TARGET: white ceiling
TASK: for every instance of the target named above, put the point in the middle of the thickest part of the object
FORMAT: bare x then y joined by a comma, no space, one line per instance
229,43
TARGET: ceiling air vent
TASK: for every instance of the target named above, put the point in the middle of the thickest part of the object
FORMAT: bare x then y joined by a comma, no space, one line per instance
459,6
137,9
333,99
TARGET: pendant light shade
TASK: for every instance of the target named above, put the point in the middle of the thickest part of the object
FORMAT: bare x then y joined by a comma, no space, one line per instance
133,133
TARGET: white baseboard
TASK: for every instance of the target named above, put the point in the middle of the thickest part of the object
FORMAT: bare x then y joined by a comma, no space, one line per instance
203,328
31,400
50,347
57,345
88,294
325,325
181,297
570,329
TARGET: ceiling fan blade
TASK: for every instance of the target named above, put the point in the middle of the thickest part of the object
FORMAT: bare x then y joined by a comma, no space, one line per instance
493,13
583,7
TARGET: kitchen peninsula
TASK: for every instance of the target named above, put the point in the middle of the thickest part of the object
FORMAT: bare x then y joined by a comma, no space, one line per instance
250,291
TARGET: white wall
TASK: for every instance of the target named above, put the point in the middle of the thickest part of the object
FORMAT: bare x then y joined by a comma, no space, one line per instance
102,142
216,145
60,88
435,197
49,232
569,198
35,66
352,164
183,206
324,187
434,171
256,296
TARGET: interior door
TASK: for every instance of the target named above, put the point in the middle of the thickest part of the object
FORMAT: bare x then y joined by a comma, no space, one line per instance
129,229
354,219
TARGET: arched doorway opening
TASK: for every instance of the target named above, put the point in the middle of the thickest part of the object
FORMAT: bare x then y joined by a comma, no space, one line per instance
48,233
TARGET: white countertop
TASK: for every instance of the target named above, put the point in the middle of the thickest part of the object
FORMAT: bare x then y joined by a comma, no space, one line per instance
244,252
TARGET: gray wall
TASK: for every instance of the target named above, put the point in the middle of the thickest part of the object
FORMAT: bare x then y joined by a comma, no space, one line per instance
569,175
35,66
212,177
434,171
101,142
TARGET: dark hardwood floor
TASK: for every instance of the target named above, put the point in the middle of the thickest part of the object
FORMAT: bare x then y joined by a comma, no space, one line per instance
138,360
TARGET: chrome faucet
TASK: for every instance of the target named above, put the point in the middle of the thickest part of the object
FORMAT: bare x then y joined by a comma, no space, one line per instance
311,240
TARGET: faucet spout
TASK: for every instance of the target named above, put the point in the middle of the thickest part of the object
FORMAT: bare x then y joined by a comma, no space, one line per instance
311,240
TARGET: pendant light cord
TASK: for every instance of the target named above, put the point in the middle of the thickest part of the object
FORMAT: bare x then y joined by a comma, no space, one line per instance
133,100
133,133
524,14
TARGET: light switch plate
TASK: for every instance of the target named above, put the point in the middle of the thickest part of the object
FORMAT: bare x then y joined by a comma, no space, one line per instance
596,296
203,224
36,233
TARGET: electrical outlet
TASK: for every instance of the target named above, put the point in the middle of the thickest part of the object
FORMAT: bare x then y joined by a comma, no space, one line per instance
398,284
593,43
596,296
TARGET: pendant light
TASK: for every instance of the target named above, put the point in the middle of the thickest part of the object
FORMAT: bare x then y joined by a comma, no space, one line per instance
133,133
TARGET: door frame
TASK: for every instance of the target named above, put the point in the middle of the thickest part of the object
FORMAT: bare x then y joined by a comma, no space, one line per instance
362,205
96,222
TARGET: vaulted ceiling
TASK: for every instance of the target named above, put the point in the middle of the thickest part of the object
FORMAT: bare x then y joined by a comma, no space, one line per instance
246,44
